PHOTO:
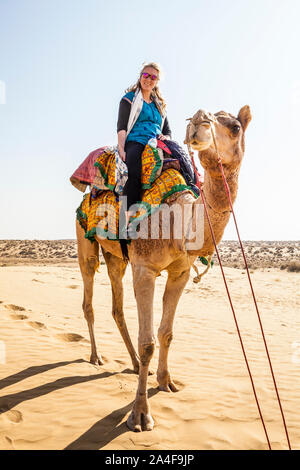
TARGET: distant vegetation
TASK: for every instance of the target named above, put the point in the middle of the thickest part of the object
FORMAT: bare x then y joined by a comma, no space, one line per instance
292,267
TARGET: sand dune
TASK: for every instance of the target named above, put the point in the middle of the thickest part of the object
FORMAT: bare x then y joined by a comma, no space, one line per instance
53,398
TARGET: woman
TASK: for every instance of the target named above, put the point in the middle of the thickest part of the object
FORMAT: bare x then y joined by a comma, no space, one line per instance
141,117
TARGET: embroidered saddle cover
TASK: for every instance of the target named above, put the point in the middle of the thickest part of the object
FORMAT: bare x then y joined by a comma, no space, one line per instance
99,212
107,174
104,169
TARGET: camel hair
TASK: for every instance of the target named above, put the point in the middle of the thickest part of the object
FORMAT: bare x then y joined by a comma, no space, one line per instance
148,257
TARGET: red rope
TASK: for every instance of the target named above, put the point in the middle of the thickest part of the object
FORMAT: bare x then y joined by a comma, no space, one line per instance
254,299
253,295
234,316
199,177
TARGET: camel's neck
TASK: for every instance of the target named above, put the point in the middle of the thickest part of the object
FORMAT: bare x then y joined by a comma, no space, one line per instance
218,209
215,193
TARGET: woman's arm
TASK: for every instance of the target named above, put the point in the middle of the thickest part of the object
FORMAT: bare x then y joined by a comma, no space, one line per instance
124,111
166,131
121,144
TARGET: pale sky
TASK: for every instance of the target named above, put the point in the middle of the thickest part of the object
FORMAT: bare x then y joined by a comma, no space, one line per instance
64,66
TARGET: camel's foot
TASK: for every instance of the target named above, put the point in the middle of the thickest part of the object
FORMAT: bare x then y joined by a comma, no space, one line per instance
96,359
140,418
165,384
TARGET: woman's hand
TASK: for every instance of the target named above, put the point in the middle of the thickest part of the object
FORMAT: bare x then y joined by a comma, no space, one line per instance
163,137
122,154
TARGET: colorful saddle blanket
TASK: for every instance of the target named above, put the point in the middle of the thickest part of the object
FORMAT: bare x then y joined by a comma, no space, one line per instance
106,162
99,215
104,169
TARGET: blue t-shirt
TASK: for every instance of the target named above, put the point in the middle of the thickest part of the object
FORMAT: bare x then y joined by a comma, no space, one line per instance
148,124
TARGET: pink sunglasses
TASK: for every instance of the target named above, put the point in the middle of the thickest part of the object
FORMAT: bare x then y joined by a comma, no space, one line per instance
148,75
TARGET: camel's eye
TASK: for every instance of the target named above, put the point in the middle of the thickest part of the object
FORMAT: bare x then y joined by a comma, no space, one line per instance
235,129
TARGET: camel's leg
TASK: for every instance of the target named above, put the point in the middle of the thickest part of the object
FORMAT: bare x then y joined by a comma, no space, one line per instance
173,291
143,282
116,269
88,257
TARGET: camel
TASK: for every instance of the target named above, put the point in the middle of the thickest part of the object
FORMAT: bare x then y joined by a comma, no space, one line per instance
149,257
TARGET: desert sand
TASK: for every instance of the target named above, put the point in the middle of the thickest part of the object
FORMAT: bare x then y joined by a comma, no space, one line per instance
53,398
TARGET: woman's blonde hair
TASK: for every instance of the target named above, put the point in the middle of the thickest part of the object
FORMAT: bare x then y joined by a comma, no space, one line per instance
156,93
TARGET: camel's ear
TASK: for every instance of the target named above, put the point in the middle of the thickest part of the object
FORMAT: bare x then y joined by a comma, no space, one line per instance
187,134
245,116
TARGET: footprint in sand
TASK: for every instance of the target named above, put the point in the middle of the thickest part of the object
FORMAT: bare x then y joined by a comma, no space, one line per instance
37,325
18,316
5,442
70,337
15,307
120,362
73,287
14,416
188,291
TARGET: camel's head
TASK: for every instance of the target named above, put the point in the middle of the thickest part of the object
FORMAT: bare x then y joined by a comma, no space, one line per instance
229,132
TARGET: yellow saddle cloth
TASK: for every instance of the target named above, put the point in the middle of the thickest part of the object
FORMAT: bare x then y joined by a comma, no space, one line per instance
110,173
100,215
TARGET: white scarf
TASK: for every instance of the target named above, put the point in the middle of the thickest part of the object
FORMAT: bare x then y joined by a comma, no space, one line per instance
136,108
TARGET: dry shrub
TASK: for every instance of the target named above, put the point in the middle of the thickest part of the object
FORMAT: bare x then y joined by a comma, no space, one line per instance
293,267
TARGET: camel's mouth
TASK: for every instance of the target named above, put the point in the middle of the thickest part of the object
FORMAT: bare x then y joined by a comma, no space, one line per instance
200,146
